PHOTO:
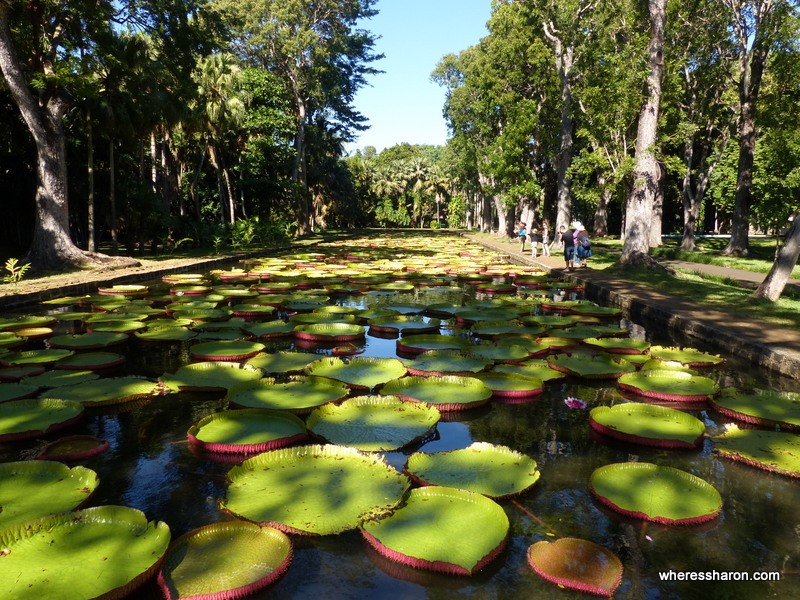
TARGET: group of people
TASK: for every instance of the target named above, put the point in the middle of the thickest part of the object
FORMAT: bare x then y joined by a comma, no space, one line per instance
575,240
540,238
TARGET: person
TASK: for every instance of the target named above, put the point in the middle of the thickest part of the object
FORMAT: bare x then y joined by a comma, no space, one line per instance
575,227
545,238
583,246
536,239
522,234
567,238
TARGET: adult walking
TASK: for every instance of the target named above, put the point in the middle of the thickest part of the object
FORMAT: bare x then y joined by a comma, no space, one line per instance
583,246
567,237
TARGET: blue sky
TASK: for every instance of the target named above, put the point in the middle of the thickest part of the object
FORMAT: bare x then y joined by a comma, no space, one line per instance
402,104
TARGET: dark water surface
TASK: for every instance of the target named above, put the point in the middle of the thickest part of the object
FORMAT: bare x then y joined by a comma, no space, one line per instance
151,467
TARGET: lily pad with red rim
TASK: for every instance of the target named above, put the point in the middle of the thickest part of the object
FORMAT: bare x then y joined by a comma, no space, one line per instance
71,545
22,322
73,447
417,344
655,493
500,353
471,531
488,469
690,357
360,372
87,341
34,357
226,350
165,334
316,490
373,423
15,374
270,329
532,368
774,451
577,565
298,395
17,391
511,386
59,378
588,366
405,324
670,386
210,376
108,391
30,418
768,408
33,489
648,425
282,362
436,363
91,361
330,332
447,393
224,560
618,345
246,431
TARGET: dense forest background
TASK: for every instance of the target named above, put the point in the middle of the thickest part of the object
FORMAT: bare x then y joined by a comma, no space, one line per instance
222,123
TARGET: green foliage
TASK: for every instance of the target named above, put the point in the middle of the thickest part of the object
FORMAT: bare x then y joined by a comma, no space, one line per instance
14,271
456,211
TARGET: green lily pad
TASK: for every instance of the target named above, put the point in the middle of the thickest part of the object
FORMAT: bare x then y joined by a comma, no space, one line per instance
17,391
24,419
317,317
226,350
373,423
360,372
577,565
447,393
416,344
283,362
672,386
109,390
488,469
17,373
436,363
329,332
655,493
57,378
596,311
618,345
656,364
165,334
511,386
36,488
9,339
91,361
87,341
687,356
202,315
500,353
470,531
270,329
246,431
532,368
299,395
224,560
26,321
318,490
648,424
495,329
58,556
404,324
590,367
35,357
73,447
210,376
124,290
550,321
761,407
774,451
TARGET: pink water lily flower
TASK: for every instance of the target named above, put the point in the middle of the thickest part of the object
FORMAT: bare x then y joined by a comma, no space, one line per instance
575,403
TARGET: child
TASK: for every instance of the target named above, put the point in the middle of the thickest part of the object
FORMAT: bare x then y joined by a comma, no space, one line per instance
545,238
522,233
536,239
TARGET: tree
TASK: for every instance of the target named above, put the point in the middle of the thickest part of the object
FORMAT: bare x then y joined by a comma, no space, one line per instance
772,286
647,172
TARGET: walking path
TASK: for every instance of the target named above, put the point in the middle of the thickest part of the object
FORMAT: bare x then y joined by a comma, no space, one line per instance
763,344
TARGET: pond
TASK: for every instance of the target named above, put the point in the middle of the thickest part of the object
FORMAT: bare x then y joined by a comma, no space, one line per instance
151,466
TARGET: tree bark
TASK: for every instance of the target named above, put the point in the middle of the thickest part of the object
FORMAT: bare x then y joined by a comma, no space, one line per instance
90,242
639,210
775,281
600,226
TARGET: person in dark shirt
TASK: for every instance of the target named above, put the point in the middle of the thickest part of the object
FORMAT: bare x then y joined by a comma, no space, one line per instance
568,239
583,246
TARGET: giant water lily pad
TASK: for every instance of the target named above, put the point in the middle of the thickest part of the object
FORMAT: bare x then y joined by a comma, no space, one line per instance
23,419
416,344
687,356
270,329
329,332
318,317
37,488
404,324
73,447
60,556
87,341
246,431
590,367
226,350
283,362
447,393
577,565
59,378
511,386
110,390
761,407
319,490
488,469
670,386
446,362
618,345
648,424
500,353
91,361
17,391
373,423
35,357
469,530
299,395
774,451
360,372
26,321
532,368
165,334
224,560
655,493
210,376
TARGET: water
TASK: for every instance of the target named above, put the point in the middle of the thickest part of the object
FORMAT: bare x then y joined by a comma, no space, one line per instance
151,467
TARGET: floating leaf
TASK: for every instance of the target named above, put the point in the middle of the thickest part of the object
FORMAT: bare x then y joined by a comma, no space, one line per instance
761,407
655,493
687,356
35,357
210,376
283,362
373,423
56,378
361,372
405,324
224,560
329,332
577,565
59,556
91,361
416,344
511,385
227,350
774,451
87,341
110,390
470,531
165,334
24,419
299,395
17,391
435,363
648,425
618,345
532,368
447,393
73,447
319,490
671,386
590,367
488,469
246,431
34,488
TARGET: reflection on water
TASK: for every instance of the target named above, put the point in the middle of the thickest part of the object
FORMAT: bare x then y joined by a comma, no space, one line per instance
151,467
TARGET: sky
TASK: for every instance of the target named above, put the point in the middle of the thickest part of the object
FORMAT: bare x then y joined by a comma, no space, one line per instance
403,104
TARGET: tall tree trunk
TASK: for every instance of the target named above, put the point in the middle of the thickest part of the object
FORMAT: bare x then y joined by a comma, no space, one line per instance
299,175
214,158
600,226
90,243
639,210
195,180
657,222
772,286
112,197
